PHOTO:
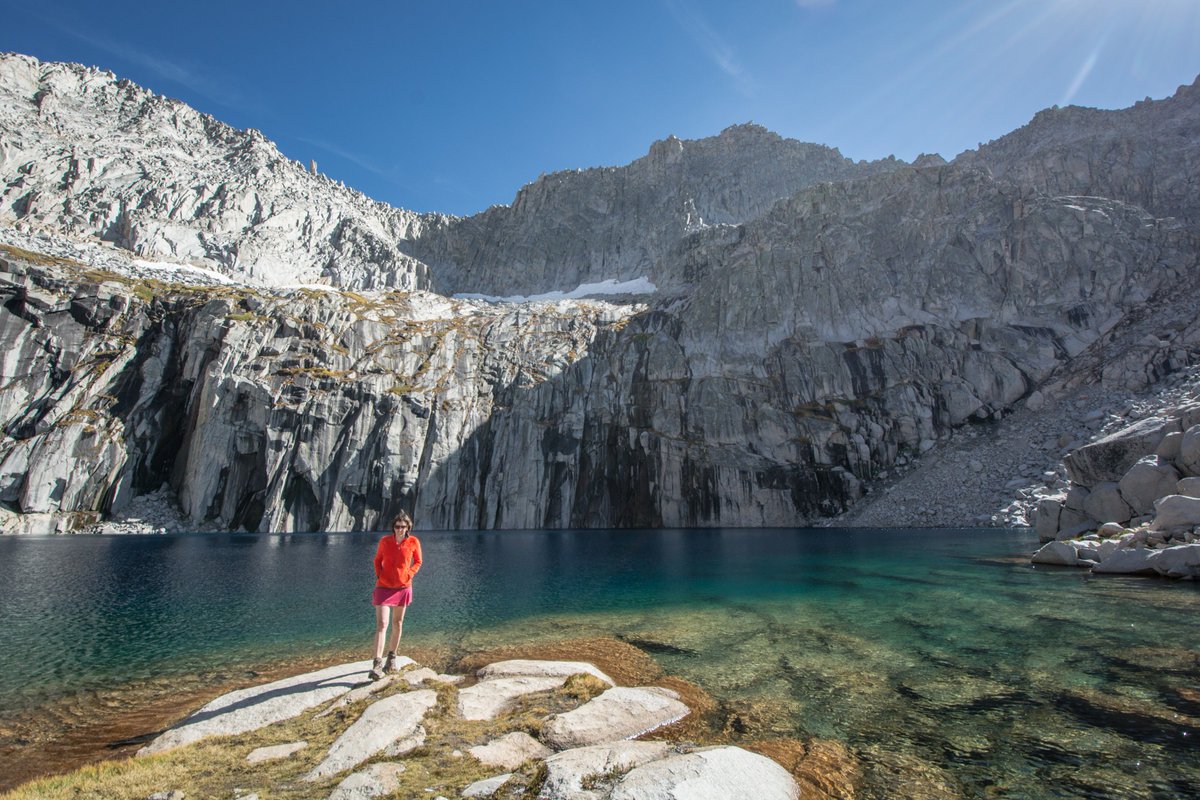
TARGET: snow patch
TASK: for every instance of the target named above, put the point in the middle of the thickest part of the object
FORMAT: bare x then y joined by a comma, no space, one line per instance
183,271
608,287
320,287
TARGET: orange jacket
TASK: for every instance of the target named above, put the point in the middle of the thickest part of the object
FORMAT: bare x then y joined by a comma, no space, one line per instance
397,562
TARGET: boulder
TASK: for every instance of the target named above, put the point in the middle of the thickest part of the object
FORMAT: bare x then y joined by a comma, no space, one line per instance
710,772
487,699
1189,451
510,751
374,781
566,771
1071,523
275,752
1105,504
1188,486
1150,478
486,787
1075,497
250,709
619,713
1086,552
1168,448
1110,529
542,669
1046,518
1180,561
1107,548
1109,458
1176,511
1057,553
382,723
1126,561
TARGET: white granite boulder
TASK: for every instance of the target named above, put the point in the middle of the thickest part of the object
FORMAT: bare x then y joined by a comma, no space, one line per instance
259,706
488,699
1146,481
1109,458
542,669
1188,486
1046,518
1127,561
566,771
619,713
374,781
382,723
1176,511
1056,553
1189,451
510,751
275,752
1104,503
486,787
1168,448
1180,561
710,773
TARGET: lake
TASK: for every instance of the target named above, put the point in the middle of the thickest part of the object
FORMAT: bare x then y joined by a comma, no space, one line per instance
936,656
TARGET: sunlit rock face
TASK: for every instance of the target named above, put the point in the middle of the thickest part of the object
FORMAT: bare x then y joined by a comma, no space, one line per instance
88,154
801,323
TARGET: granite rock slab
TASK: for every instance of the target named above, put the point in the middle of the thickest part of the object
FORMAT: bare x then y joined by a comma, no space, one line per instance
381,724
374,781
490,698
258,706
619,713
544,669
510,751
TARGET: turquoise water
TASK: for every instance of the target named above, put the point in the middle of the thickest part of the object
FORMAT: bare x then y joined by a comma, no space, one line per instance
948,667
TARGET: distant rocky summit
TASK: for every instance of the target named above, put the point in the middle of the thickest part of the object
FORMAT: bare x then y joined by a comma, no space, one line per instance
784,330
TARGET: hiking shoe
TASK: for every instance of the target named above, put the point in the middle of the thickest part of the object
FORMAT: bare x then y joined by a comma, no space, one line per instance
389,666
376,672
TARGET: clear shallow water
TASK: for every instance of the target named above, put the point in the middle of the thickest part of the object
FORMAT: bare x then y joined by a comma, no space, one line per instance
947,669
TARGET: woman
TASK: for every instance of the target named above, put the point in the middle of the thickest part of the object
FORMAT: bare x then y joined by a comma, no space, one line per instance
397,559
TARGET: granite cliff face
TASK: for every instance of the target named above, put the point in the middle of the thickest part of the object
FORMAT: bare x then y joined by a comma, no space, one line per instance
1147,155
817,322
618,223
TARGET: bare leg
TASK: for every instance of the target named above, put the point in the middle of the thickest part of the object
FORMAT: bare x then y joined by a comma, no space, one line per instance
397,629
383,615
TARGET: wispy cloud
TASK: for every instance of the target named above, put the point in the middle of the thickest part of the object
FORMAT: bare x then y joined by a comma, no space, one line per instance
711,43
164,68
354,158
814,3
1085,69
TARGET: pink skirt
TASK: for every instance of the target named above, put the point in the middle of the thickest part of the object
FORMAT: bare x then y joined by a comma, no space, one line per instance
384,596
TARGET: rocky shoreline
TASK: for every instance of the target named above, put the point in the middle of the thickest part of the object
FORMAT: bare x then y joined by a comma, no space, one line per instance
508,728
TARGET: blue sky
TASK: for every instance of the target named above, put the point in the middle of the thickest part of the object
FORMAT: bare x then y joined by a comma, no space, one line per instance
452,106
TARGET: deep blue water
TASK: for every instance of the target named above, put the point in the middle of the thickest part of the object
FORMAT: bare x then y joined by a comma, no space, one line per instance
928,653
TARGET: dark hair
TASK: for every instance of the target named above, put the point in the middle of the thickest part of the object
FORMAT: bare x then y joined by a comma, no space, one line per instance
405,518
